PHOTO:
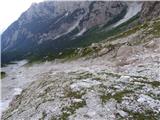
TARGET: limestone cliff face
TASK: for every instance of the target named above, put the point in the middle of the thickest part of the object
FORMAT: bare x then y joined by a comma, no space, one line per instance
150,10
50,26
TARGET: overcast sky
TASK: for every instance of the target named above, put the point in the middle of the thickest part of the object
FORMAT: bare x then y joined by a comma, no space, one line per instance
10,10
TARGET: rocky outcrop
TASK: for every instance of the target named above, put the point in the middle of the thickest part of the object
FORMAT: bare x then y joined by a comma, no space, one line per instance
150,10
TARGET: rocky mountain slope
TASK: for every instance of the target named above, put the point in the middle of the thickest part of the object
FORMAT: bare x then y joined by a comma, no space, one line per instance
118,79
57,26
113,79
150,10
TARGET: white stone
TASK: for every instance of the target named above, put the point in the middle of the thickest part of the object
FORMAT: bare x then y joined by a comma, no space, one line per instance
91,113
17,91
87,83
124,78
77,100
122,113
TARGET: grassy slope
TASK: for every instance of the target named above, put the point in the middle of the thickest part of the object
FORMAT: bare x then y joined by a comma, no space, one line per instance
93,35
150,28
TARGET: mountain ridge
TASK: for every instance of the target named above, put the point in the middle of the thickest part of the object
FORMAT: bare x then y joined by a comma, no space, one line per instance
38,33
26,35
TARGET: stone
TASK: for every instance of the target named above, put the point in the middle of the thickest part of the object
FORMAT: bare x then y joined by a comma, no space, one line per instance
122,113
103,51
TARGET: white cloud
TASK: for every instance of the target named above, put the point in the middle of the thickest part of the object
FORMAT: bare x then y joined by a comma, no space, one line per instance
10,10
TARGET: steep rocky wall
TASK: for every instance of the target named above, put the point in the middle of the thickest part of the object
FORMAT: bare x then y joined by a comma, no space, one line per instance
150,10
50,26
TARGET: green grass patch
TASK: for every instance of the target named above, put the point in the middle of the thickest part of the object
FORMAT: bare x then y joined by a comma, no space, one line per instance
130,31
72,94
3,74
146,115
153,83
105,97
70,110
156,28
117,96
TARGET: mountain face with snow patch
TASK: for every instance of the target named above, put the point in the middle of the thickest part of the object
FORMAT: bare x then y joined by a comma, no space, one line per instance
50,27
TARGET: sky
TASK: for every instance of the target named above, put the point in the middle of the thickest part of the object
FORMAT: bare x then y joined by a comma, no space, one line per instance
10,10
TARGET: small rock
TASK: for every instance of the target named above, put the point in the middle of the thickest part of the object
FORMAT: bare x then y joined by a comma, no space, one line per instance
122,113
124,78
103,51
124,51
117,87
91,113
77,100
151,44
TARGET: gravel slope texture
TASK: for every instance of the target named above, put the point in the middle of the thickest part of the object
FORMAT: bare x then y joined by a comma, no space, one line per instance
122,82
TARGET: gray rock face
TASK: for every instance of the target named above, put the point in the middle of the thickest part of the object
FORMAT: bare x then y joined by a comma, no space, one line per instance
150,10
52,26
